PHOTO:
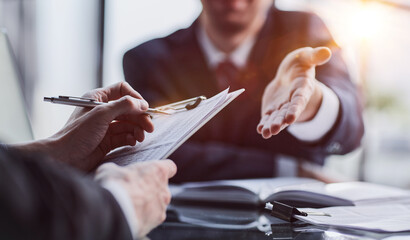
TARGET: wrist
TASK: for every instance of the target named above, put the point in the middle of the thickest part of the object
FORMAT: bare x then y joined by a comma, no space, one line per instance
42,147
116,180
55,149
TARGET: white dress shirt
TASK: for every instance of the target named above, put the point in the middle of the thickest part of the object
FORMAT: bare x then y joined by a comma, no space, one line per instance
124,200
309,131
105,175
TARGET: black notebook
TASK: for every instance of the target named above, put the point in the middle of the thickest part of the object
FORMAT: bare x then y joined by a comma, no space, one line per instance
297,192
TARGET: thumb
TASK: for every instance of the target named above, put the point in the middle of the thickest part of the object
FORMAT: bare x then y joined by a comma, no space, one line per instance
320,55
170,166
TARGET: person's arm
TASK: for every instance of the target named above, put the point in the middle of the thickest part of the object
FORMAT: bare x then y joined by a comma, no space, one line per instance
346,132
295,96
44,200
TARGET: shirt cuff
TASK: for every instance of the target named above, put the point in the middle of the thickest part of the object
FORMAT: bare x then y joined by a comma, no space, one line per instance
324,120
124,200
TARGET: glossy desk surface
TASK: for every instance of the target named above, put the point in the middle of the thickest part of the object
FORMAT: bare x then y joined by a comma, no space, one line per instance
196,222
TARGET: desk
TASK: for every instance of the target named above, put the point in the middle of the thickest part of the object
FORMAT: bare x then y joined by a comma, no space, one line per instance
194,222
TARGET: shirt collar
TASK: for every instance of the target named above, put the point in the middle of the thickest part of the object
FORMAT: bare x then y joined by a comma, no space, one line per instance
214,56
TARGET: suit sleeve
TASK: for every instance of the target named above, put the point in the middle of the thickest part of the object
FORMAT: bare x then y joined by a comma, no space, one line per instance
215,160
347,132
45,200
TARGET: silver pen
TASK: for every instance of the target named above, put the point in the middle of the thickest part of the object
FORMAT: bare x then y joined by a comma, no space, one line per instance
88,102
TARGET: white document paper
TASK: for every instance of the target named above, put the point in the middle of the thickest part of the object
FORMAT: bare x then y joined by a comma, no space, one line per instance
170,131
383,218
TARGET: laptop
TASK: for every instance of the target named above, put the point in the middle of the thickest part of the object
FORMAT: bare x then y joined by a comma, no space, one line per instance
15,125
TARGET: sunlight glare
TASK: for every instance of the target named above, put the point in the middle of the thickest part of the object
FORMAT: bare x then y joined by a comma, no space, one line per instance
367,21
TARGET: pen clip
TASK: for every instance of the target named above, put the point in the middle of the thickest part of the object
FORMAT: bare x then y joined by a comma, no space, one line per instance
283,211
77,98
288,213
187,104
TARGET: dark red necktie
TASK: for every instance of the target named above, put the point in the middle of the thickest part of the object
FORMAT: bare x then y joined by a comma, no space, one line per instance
227,74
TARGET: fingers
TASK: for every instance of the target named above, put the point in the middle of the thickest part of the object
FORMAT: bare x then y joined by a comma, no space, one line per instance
299,99
112,92
111,142
142,120
165,168
120,127
123,96
118,90
130,109
273,123
262,123
170,167
277,120
120,140
297,105
128,103
121,134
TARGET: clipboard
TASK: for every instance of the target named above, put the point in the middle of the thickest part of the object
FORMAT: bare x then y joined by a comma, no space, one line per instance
173,129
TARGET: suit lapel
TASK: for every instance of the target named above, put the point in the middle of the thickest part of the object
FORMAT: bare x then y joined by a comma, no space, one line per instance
265,56
193,74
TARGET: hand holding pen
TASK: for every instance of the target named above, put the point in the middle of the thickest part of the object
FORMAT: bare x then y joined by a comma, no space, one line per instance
91,133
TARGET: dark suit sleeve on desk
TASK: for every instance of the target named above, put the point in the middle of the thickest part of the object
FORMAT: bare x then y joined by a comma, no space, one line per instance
44,200
212,160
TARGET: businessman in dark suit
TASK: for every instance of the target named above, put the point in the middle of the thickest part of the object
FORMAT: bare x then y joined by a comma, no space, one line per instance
294,89
43,195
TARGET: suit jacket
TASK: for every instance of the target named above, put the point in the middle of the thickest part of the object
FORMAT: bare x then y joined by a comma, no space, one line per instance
44,200
174,68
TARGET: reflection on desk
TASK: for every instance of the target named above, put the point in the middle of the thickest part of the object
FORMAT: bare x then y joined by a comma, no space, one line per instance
199,222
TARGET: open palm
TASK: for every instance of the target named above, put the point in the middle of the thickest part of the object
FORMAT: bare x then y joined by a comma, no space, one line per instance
293,95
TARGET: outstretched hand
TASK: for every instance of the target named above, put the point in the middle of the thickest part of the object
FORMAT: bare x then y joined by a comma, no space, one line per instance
294,94
90,134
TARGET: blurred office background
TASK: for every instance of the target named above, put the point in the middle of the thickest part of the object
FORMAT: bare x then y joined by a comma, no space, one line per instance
67,47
